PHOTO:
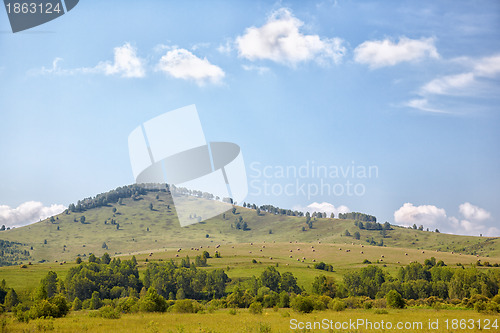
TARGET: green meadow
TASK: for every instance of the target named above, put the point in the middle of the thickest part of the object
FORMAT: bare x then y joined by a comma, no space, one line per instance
146,227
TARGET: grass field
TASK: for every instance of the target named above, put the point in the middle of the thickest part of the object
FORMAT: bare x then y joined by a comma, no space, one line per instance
142,229
271,320
237,261
155,236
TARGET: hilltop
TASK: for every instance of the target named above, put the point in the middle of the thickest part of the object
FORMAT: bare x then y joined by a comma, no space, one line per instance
145,221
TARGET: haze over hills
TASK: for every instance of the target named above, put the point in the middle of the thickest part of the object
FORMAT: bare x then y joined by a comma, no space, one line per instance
132,219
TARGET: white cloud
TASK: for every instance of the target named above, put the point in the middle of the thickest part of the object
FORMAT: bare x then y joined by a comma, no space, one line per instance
182,64
450,84
431,216
428,215
225,48
26,213
474,82
488,67
472,212
380,53
423,104
281,41
323,207
259,69
126,63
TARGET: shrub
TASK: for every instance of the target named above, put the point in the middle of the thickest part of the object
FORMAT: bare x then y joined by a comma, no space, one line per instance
480,306
337,305
303,304
255,308
152,302
128,304
232,312
107,312
186,306
77,304
395,300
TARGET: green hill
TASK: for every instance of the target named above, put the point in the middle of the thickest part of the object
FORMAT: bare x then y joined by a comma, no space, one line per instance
130,226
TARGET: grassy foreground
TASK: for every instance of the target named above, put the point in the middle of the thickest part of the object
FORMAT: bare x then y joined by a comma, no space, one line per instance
271,320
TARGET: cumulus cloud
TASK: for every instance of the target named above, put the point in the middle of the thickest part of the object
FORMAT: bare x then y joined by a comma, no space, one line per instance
423,104
488,66
380,53
449,84
475,213
323,207
26,213
471,221
474,82
126,63
259,69
281,41
428,215
182,64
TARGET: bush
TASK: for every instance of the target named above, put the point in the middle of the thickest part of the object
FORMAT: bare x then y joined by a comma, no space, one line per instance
303,304
395,300
255,308
77,304
337,305
152,302
107,312
480,306
186,306
232,312
128,304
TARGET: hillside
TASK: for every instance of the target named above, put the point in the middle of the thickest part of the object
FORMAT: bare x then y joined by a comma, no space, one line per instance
130,226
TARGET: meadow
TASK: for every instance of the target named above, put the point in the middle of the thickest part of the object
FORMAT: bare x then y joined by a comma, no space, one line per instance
147,227
271,320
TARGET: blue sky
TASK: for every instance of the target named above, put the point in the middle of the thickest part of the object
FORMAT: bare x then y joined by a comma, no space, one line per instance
408,88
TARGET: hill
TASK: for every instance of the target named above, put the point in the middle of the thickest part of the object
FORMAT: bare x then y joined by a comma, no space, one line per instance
146,221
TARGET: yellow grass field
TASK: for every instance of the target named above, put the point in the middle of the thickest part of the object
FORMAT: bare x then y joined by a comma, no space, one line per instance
271,320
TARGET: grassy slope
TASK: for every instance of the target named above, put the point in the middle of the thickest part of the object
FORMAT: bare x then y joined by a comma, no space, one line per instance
135,217
243,321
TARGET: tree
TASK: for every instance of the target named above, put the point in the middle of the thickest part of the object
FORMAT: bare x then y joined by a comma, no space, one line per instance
233,210
347,233
48,286
77,304
357,235
395,300
3,227
104,245
414,226
332,215
150,206
11,299
437,231
289,283
118,226
105,259
82,219
271,278
78,260
258,211
95,301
